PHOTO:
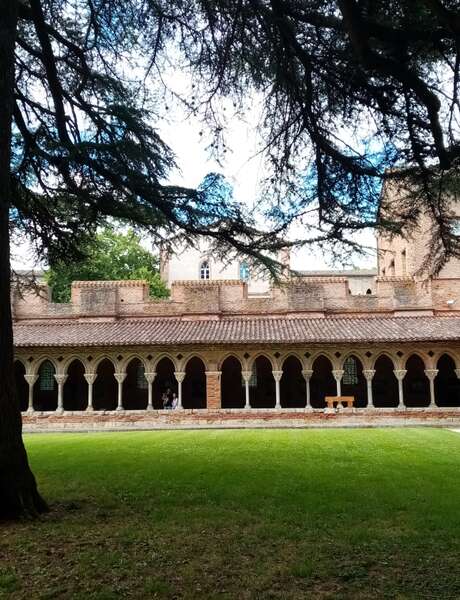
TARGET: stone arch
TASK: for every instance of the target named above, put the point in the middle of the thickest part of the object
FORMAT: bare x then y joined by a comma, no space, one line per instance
322,382
35,366
415,383
231,383
192,355
384,383
70,359
353,381
22,387
129,358
390,357
331,358
75,387
263,390
293,392
101,357
157,359
230,354
253,359
194,384
164,384
105,389
135,386
446,352
446,383
45,396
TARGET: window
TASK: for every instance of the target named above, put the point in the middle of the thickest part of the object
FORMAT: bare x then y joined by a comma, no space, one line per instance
392,267
403,262
244,271
141,381
204,270
46,377
350,371
368,291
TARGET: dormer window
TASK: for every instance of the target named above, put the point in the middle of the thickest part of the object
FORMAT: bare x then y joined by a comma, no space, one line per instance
204,270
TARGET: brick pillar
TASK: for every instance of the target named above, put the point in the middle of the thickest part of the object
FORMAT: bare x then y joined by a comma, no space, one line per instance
213,389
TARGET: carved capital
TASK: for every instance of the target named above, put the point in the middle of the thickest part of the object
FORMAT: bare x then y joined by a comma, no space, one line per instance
180,376
431,373
337,374
120,377
90,378
61,378
31,379
369,374
246,375
307,373
277,375
400,374
150,377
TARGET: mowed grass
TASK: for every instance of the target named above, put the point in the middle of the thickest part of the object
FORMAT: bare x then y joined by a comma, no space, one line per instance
240,514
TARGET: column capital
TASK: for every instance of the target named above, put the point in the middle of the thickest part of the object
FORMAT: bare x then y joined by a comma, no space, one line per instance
31,379
337,374
431,373
90,378
179,375
369,374
61,378
400,374
277,375
246,375
150,377
307,374
120,377
213,373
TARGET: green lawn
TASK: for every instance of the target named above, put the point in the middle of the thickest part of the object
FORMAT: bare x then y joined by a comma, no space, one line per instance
241,514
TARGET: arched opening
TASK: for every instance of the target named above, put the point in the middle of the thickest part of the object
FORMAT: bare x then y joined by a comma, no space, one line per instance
232,384
22,387
75,387
446,383
368,291
322,382
384,384
415,383
353,381
205,271
164,384
194,385
135,386
45,389
263,394
292,385
105,391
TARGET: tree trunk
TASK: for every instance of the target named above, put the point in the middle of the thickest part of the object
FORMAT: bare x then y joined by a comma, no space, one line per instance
18,489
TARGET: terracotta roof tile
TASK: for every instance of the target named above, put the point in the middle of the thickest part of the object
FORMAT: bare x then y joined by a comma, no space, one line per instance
276,330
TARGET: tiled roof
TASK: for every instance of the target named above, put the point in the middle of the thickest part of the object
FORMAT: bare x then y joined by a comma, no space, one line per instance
275,330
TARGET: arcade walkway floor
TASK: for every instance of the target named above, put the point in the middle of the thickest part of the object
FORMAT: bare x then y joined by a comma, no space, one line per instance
339,514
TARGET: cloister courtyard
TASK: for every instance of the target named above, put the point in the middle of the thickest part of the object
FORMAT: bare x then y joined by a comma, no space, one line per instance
240,514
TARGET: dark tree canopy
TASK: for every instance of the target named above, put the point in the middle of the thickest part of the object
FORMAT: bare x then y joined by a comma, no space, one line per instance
355,93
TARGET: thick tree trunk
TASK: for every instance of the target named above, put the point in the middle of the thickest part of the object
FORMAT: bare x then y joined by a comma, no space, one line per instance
18,489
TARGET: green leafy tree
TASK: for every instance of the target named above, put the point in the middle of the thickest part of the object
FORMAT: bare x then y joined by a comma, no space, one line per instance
109,256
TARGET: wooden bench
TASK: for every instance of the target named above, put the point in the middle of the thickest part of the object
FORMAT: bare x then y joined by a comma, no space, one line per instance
339,401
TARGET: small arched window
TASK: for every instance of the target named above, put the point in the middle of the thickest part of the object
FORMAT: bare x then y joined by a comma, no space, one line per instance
141,381
244,271
368,291
350,371
204,270
46,380
404,262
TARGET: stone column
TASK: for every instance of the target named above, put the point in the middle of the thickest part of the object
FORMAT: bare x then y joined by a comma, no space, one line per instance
307,374
277,375
180,376
246,375
213,395
150,377
90,379
457,372
31,379
61,379
400,374
120,377
369,375
338,374
431,374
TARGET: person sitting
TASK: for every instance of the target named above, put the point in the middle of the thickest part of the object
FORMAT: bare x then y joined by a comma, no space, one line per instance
165,400
174,401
